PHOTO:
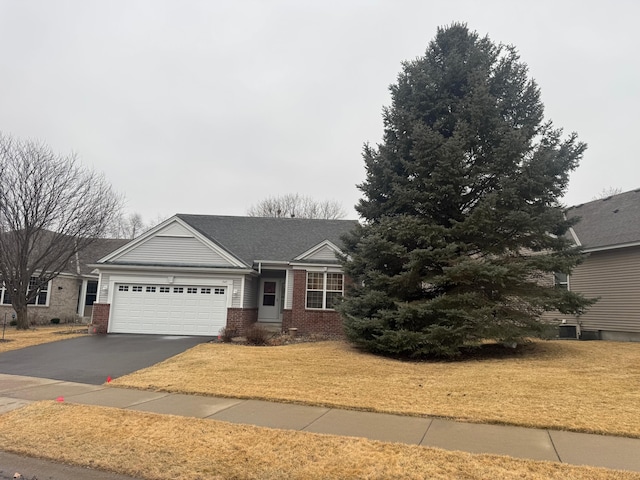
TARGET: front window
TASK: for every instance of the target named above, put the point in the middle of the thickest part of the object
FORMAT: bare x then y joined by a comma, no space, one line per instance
42,298
324,289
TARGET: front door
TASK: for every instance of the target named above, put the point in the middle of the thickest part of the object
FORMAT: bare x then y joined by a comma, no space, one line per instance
270,297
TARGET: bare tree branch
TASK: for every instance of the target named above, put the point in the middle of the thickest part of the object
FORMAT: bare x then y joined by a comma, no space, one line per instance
607,192
50,209
296,205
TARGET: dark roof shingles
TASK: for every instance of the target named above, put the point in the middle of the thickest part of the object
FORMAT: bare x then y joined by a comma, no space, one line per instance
253,239
608,222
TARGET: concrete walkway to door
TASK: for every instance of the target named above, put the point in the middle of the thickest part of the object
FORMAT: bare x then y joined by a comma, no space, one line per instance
537,444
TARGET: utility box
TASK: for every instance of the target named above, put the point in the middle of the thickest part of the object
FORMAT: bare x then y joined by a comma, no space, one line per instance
568,332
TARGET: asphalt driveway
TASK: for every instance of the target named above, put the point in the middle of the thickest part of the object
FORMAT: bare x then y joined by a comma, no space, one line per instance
93,358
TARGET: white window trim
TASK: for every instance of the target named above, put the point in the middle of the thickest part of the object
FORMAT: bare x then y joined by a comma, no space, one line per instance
3,289
324,290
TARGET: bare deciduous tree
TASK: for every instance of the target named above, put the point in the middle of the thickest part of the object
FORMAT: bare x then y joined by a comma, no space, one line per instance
607,192
50,209
296,205
127,226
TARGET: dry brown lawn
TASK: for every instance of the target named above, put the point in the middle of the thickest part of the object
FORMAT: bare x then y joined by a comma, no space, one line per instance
579,386
163,447
15,339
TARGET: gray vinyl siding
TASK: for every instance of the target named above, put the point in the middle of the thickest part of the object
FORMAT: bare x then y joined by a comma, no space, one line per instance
250,293
173,251
236,299
325,254
614,276
103,296
289,292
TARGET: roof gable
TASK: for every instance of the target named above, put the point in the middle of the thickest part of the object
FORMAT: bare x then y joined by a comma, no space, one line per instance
255,239
612,222
323,252
173,243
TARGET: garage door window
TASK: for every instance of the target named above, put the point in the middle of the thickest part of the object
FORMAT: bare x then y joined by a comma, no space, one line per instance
136,288
123,288
165,289
218,291
205,290
178,289
151,289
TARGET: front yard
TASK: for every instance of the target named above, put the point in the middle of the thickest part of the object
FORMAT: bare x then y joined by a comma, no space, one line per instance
15,339
167,447
568,385
584,386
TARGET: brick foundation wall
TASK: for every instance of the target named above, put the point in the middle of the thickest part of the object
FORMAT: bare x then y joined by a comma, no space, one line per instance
241,318
100,317
326,322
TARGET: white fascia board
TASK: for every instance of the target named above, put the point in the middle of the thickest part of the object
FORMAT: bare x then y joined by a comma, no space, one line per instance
575,237
110,267
315,248
611,247
316,266
270,264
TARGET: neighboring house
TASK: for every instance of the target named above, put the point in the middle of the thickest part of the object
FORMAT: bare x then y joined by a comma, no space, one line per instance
195,274
71,294
609,232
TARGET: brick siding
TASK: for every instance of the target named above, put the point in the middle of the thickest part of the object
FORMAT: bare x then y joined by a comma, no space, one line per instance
100,317
325,322
241,318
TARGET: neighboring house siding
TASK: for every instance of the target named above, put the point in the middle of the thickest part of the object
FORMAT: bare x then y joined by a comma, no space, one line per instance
63,303
173,251
63,300
614,276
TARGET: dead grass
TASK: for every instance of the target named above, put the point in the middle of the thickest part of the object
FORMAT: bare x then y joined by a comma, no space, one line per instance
16,339
162,447
579,386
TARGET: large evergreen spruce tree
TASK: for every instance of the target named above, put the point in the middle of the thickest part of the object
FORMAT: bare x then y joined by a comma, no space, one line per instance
462,222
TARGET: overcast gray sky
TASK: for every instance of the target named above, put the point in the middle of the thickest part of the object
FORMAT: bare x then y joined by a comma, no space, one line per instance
209,106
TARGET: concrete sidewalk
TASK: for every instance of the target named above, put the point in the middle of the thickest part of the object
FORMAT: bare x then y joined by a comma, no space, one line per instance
558,446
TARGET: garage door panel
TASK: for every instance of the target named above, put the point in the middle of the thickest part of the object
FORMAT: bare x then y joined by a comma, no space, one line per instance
156,309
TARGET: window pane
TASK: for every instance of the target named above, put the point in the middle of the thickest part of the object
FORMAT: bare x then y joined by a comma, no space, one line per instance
332,299
314,299
42,298
315,281
268,300
334,282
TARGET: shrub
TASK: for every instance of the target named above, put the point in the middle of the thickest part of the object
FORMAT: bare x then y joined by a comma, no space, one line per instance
55,321
257,335
13,323
227,334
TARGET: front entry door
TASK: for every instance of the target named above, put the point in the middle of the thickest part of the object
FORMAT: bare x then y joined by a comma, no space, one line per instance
270,295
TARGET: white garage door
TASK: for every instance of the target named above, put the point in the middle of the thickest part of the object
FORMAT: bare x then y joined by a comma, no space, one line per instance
168,310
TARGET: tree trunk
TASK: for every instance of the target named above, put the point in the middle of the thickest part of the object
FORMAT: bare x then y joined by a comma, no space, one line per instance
21,316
